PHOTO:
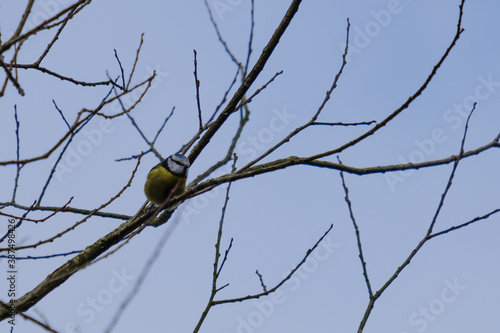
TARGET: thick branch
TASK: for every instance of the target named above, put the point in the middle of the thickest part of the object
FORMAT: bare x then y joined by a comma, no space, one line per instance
247,82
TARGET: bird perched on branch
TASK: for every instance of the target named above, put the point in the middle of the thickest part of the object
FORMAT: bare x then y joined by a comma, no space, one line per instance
167,179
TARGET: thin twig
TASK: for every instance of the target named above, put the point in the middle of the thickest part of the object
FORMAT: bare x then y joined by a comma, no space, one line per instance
424,240
73,131
82,117
19,166
50,256
56,37
452,175
163,125
249,99
45,25
86,218
62,77
247,82
143,136
24,18
460,226
19,223
126,111
42,219
230,151
261,281
225,256
11,77
318,112
61,113
44,319
277,286
217,269
410,100
221,40
250,39
121,69
83,259
69,210
45,326
197,83
358,236
320,123
145,271
135,61
224,98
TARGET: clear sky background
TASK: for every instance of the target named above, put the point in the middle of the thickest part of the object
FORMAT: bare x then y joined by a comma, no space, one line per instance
450,286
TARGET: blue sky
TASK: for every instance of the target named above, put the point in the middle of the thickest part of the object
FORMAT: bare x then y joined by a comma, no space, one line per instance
450,286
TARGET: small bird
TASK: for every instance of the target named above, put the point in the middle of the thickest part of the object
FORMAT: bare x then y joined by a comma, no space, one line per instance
167,179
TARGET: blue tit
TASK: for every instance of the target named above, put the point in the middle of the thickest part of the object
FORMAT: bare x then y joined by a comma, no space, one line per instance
165,177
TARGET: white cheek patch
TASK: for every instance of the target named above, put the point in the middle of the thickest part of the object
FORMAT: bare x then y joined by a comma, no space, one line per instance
176,168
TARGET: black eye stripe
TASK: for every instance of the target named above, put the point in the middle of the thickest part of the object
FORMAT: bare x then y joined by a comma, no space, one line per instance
179,163
180,160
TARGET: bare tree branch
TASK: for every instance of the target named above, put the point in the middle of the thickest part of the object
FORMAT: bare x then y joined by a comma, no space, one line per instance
11,78
277,286
80,261
24,18
62,77
217,269
409,101
197,84
76,7
249,99
358,236
145,271
79,121
69,210
247,82
424,240
318,112
56,37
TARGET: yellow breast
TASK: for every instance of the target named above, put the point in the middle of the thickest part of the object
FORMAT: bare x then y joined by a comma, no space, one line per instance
160,183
